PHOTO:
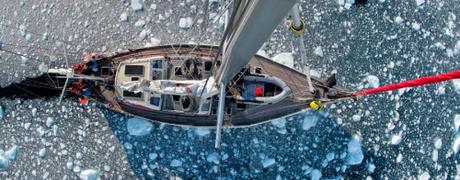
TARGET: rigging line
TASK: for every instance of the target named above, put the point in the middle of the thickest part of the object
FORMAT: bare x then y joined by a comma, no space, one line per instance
15,53
40,48
26,90
218,16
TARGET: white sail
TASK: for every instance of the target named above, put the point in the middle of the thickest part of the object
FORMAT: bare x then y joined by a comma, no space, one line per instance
252,23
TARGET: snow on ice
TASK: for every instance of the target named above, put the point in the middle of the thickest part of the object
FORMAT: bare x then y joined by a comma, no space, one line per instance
457,121
456,144
202,131
267,162
373,81
8,156
139,127
395,139
136,5
319,51
309,121
456,84
424,176
49,121
124,17
2,112
286,59
89,174
139,23
175,163
419,2
213,158
42,153
185,22
316,174
354,152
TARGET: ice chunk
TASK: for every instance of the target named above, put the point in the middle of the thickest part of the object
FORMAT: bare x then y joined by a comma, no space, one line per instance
279,123
42,153
139,127
316,174
124,17
286,59
416,26
202,131
2,112
319,51
185,22
438,143
456,144
267,162
419,2
399,158
12,153
424,176
49,121
213,158
354,152
309,121
144,33
373,81
153,156
3,162
395,139
356,117
89,174
262,53
175,163
34,112
69,165
370,167
398,20
136,5
457,121
456,84
139,23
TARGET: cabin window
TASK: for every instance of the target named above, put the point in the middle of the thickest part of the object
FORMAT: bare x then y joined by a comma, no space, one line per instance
228,110
205,106
178,71
155,101
207,66
158,64
258,70
129,94
157,75
106,71
135,79
272,89
176,98
134,70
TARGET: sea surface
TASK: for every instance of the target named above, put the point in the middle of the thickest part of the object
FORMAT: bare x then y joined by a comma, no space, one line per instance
406,134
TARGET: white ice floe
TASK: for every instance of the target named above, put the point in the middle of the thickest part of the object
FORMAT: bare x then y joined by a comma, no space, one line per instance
419,2
202,131
398,20
395,139
319,51
267,162
316,174
69,166
139,23
456,122
370,167
89,174
309,121
213,158
263,53
137,5
153,156
49,121
373,81
456,143
286,59
354,152
175,163
124,17
438,143
34,112
2,112
42,153
144,33
456,84
356,117
139,127
424,176
185,22
3,162
12,153
399,158
416,26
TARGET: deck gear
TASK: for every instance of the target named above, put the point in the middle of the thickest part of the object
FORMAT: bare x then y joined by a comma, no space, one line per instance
316,105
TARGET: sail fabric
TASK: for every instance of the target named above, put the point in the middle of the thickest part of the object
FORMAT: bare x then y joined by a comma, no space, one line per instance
251,24
413,83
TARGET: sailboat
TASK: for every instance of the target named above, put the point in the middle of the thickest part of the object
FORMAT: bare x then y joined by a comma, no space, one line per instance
201,85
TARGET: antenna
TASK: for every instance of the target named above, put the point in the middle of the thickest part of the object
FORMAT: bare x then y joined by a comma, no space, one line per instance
68,75
220,115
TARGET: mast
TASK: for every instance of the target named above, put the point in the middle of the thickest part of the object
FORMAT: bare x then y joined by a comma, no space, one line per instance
252,22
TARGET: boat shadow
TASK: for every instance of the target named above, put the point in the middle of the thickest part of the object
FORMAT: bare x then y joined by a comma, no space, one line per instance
297,145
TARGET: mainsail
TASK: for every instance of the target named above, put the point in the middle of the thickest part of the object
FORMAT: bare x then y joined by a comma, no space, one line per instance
252,22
